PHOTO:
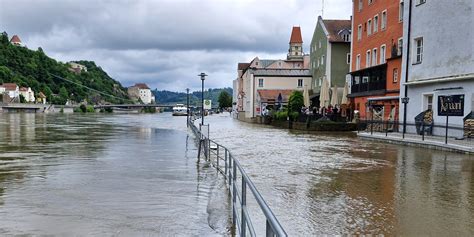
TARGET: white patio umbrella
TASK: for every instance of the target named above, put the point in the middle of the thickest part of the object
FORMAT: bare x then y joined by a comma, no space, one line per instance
324,94
334,97
345,93
306,96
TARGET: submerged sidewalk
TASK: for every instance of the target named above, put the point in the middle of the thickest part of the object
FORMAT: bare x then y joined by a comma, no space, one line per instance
435,142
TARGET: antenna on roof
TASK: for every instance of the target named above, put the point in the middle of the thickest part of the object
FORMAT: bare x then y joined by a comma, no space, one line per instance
322,8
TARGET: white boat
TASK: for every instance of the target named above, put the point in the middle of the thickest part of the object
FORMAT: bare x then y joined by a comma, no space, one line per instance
180,110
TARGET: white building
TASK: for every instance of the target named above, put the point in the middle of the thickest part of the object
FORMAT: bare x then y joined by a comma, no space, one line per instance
12,90
77,68
260,82
28,94
141,91
438,58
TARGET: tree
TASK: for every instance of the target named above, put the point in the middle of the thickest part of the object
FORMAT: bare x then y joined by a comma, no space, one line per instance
225,100
296,101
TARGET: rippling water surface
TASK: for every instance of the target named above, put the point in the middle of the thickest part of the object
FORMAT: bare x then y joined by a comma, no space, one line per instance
125,175
334,183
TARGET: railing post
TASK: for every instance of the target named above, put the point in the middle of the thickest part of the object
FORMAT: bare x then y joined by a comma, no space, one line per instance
242,206
446,137
386,128
269,230
217,157
371,127
423,130
225,162
234,194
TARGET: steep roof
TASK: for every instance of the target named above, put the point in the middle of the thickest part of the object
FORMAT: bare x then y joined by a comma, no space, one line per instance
15,39
334,27
296,35
9,86
242,66
41,95
23,89
142,86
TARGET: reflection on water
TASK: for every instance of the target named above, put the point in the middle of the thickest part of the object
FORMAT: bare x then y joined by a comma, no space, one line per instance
106,175
327,183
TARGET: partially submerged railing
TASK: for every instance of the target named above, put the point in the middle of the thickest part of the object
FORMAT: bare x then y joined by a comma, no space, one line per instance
221,158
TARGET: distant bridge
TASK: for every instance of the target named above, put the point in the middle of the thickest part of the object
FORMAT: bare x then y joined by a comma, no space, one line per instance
134,106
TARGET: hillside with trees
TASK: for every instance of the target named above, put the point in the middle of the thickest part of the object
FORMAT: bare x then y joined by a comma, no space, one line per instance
169,97
33,68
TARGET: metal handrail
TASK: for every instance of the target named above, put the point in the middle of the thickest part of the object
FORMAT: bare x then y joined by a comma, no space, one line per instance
243,221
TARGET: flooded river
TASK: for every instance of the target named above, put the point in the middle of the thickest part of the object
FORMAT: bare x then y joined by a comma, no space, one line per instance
104,175
136,175
334,183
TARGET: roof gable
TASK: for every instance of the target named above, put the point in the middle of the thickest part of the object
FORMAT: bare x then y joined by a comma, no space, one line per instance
295,37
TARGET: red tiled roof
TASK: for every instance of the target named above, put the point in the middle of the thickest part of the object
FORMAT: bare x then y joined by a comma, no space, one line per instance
9,86
296,35
41,95
242,66
142,86
23,89
334,27
266,95
15,39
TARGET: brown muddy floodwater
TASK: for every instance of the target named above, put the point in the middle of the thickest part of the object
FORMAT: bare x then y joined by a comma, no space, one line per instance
106,175
136,175
334,183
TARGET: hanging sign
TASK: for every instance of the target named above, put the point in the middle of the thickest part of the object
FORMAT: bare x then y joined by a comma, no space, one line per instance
207,104
451,105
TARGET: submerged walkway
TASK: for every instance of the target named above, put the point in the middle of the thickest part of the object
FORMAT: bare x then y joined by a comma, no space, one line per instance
436,142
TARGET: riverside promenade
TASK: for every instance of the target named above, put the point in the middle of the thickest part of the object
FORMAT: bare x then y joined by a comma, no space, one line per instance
433,142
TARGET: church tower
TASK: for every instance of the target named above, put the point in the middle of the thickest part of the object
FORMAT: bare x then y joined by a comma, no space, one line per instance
295,52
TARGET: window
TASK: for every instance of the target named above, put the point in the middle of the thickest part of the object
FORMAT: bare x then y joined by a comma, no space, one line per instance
367,58
348,58
320,82
400,11
369,27
359,32
428,102
260,82
256,63
358,62
320,44
360,5
322,60
400,47
419,2
376,23
383,50
370,1
318,62
383,24
365,79
419,50
395,75
374,57
300,82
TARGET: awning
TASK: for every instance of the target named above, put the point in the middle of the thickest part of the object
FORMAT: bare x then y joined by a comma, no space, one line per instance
313,96
272,95
384,98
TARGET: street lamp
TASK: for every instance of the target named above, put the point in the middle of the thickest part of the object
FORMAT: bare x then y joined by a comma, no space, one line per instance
203,77
405,101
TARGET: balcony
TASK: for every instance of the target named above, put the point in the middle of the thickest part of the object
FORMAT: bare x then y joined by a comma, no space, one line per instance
369,81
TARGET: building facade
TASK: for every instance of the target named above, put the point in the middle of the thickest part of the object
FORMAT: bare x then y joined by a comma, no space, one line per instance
140,91
28,94
330,55
261,77
376,54
438,62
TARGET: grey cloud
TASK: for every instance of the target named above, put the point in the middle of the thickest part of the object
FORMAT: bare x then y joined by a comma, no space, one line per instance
164,43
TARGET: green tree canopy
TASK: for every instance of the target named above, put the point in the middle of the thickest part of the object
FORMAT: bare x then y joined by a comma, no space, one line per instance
296,101
225,100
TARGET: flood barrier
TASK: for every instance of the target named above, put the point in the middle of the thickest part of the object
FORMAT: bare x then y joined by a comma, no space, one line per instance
221,158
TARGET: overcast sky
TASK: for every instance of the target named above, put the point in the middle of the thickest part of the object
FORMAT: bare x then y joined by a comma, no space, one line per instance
165,43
